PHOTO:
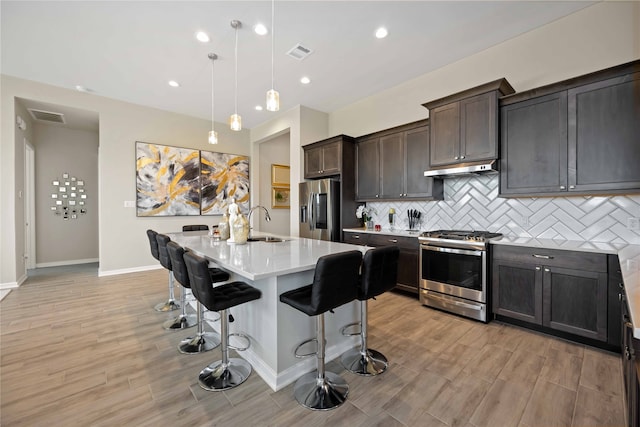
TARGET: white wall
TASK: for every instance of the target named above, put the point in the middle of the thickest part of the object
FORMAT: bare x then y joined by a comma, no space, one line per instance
57,150
123,242
597,37
273,151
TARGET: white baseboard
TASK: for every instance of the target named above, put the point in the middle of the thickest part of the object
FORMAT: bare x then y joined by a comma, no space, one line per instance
102,273
70,262
9,285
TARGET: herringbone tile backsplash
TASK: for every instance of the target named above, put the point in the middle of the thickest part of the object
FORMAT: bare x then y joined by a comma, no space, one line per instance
472,203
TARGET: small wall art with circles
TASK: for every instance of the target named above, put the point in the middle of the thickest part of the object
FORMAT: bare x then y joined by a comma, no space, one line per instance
68,197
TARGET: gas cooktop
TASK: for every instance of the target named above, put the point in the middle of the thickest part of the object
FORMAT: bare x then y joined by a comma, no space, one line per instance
464,235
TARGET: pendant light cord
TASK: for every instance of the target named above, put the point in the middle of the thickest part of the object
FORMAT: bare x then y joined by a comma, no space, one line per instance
212,92
272,37
236,72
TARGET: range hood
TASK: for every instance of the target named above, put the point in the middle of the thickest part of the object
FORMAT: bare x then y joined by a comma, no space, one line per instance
462,169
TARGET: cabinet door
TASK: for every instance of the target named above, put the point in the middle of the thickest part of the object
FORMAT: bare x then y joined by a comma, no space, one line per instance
478,127
604,132
444,122
313,162
534,146
575,301
368,169
392,167
417,161
331,159
408,270
355,238
517,291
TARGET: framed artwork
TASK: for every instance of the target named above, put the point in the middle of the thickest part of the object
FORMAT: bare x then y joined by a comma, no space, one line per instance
280,176
223,177
280,197
167,180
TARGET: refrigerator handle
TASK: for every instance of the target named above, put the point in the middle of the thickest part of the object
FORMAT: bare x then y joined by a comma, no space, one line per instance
312,217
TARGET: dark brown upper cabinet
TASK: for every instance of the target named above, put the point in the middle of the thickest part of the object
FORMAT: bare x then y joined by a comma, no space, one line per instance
390,165
464,126
579,136
326,158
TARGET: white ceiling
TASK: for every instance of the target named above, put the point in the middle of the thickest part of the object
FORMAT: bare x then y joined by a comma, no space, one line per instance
129,50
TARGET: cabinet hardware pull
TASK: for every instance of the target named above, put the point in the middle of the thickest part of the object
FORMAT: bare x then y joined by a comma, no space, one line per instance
562,187
628,324
571,187
542,256
356,237
547,270
377,195
462,157
537,268
455,158
621,285
393,240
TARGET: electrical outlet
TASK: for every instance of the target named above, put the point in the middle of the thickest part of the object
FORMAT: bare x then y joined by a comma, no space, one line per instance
633,224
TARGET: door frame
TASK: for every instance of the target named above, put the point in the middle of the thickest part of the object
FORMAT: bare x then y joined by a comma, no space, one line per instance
29,199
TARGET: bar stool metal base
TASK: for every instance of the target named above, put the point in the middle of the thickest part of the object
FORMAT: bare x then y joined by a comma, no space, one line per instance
217,377
181,322
167,306
371,363
321,394
199,343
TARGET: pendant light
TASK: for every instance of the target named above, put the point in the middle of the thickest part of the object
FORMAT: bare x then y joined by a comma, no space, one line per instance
273,97
213,135
235,121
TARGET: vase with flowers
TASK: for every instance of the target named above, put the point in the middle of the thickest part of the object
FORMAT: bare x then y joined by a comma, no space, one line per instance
366,213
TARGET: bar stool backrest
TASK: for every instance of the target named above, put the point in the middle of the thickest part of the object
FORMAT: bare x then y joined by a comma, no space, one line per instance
195,227
335,281
164,259
179,268
379,271
200,279
153,243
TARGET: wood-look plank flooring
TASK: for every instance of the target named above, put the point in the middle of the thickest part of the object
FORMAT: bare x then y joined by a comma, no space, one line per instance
87,351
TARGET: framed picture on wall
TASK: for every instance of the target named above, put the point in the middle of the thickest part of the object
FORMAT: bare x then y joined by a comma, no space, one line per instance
280,197
280,176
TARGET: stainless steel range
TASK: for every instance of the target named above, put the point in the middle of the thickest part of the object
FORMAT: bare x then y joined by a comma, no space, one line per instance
454,271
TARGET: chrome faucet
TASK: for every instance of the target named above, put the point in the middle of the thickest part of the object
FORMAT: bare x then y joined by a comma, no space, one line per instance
267,217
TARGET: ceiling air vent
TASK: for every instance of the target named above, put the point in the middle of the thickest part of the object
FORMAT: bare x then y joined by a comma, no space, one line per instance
299,52
46,116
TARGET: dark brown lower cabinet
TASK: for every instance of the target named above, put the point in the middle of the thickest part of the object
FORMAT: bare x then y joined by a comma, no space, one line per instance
557,291
407,262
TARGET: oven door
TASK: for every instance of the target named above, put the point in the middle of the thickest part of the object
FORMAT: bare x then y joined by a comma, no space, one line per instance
452,271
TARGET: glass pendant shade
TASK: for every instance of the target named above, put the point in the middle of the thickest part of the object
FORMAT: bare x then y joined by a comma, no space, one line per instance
213,137
235,122
273,100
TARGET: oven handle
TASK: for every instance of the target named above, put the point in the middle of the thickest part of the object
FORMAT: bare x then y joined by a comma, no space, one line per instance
452,302
451,250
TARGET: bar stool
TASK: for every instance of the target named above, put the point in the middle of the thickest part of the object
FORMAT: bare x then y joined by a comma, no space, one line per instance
335,283
379,274
202,341
196,227
183,320
171,304
228,372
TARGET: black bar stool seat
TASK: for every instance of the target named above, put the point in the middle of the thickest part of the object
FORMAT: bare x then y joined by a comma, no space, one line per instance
334,284
171,303
202,341
183,320
379,275
228,372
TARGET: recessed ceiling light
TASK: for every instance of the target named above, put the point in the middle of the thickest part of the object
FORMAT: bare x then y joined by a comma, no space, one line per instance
305,80
258,107
174,83
260,29
203,37
381,32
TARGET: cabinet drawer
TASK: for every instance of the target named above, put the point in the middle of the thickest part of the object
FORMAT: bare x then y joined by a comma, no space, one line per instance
389,239
355,238
586,261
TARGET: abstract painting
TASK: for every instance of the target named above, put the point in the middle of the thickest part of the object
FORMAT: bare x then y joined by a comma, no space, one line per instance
167,180
223,177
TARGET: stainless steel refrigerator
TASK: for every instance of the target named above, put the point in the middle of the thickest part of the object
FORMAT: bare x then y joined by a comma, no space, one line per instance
320,210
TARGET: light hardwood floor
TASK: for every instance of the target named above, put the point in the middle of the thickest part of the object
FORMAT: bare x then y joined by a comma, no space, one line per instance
81,350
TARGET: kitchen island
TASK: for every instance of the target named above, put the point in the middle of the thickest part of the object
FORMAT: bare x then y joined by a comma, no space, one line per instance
276,329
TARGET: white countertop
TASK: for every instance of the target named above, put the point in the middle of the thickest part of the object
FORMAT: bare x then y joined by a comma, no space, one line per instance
402,233
629,256
259,260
